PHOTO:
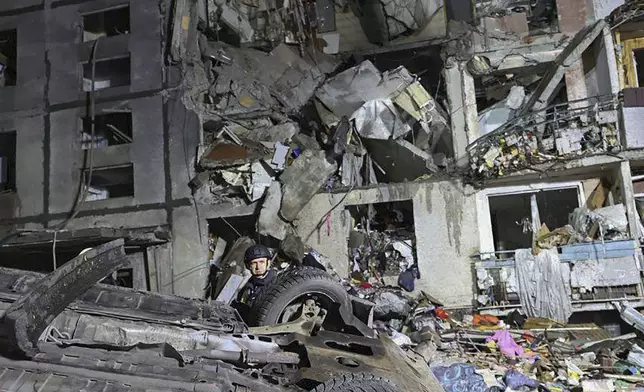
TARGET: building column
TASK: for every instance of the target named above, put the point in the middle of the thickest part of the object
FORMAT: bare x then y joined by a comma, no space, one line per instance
628,198
190,266
461,97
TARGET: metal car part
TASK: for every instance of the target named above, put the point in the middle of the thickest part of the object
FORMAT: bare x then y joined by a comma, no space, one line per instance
141,370
27,318
332,354
245,357
311,318
125,303
323,356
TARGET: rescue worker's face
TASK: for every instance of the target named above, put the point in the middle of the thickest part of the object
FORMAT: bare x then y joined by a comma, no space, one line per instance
258,267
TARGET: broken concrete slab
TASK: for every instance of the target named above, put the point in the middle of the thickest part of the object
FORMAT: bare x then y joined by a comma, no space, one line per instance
259,82
546,89
385,20
302,180
269,223
282,132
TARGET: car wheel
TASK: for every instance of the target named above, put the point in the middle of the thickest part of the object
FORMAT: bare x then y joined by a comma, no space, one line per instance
293,288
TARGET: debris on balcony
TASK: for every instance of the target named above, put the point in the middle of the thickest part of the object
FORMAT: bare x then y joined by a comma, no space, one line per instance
559,132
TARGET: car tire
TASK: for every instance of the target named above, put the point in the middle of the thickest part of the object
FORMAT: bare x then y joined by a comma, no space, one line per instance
357,382
291,284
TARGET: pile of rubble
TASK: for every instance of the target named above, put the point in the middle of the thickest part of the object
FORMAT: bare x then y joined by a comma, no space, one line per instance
280,138
478,352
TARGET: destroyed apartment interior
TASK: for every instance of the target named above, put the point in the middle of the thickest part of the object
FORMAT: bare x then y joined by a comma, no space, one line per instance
324,196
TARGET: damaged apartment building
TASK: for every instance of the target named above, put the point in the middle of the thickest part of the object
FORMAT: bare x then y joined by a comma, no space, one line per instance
451,142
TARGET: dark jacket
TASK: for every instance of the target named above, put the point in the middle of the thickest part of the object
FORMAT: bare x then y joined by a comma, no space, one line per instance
255,287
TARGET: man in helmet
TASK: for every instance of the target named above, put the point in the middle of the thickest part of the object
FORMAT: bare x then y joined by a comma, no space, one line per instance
258,260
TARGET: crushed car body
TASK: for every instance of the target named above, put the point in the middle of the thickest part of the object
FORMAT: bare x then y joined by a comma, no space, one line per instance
62,331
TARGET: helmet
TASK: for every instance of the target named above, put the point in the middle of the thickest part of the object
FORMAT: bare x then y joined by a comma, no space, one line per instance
256,252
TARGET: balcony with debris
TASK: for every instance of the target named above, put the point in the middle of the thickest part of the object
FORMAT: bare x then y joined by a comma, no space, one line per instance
560,132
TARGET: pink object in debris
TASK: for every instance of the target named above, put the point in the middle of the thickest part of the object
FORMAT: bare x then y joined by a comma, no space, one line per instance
506,344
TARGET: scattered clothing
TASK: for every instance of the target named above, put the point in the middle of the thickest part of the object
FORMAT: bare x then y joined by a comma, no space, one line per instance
506,344
514,379
460,377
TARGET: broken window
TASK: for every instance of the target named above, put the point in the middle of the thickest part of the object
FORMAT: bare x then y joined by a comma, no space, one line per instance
106,23
108,73
515,217
110,183
8,58
7,161
382,242
110,129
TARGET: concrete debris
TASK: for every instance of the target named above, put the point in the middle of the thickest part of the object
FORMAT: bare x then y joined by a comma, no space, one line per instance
257,82
269,222
382,254
390,305
283,132
302,180
385,20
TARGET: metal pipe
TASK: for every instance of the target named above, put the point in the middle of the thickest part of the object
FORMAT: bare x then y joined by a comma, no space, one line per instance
246,357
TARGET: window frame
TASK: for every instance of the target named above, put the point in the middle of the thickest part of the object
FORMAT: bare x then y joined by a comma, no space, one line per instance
486,235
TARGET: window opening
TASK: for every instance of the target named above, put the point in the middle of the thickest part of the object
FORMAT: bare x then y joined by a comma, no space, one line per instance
106,23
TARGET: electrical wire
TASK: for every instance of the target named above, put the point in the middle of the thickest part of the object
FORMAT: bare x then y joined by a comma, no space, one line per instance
84,188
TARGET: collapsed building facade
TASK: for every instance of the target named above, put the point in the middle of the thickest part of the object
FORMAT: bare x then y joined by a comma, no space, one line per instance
438,140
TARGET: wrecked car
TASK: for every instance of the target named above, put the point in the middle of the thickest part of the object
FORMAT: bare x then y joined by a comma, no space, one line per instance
62,331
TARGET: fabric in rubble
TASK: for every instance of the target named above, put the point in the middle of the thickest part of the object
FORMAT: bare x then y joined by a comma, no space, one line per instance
514,379
506,344
460,377
543,287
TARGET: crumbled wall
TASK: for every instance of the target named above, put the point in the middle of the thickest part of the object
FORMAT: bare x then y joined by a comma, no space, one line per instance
446,232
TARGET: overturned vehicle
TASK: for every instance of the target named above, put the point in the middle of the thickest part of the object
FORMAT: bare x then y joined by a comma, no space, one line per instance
64,332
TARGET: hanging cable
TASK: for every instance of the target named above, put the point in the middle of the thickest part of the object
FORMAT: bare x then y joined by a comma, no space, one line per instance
84,186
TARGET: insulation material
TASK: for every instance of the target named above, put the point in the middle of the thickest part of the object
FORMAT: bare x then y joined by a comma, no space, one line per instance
379,119
350,90
588,274
544,287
